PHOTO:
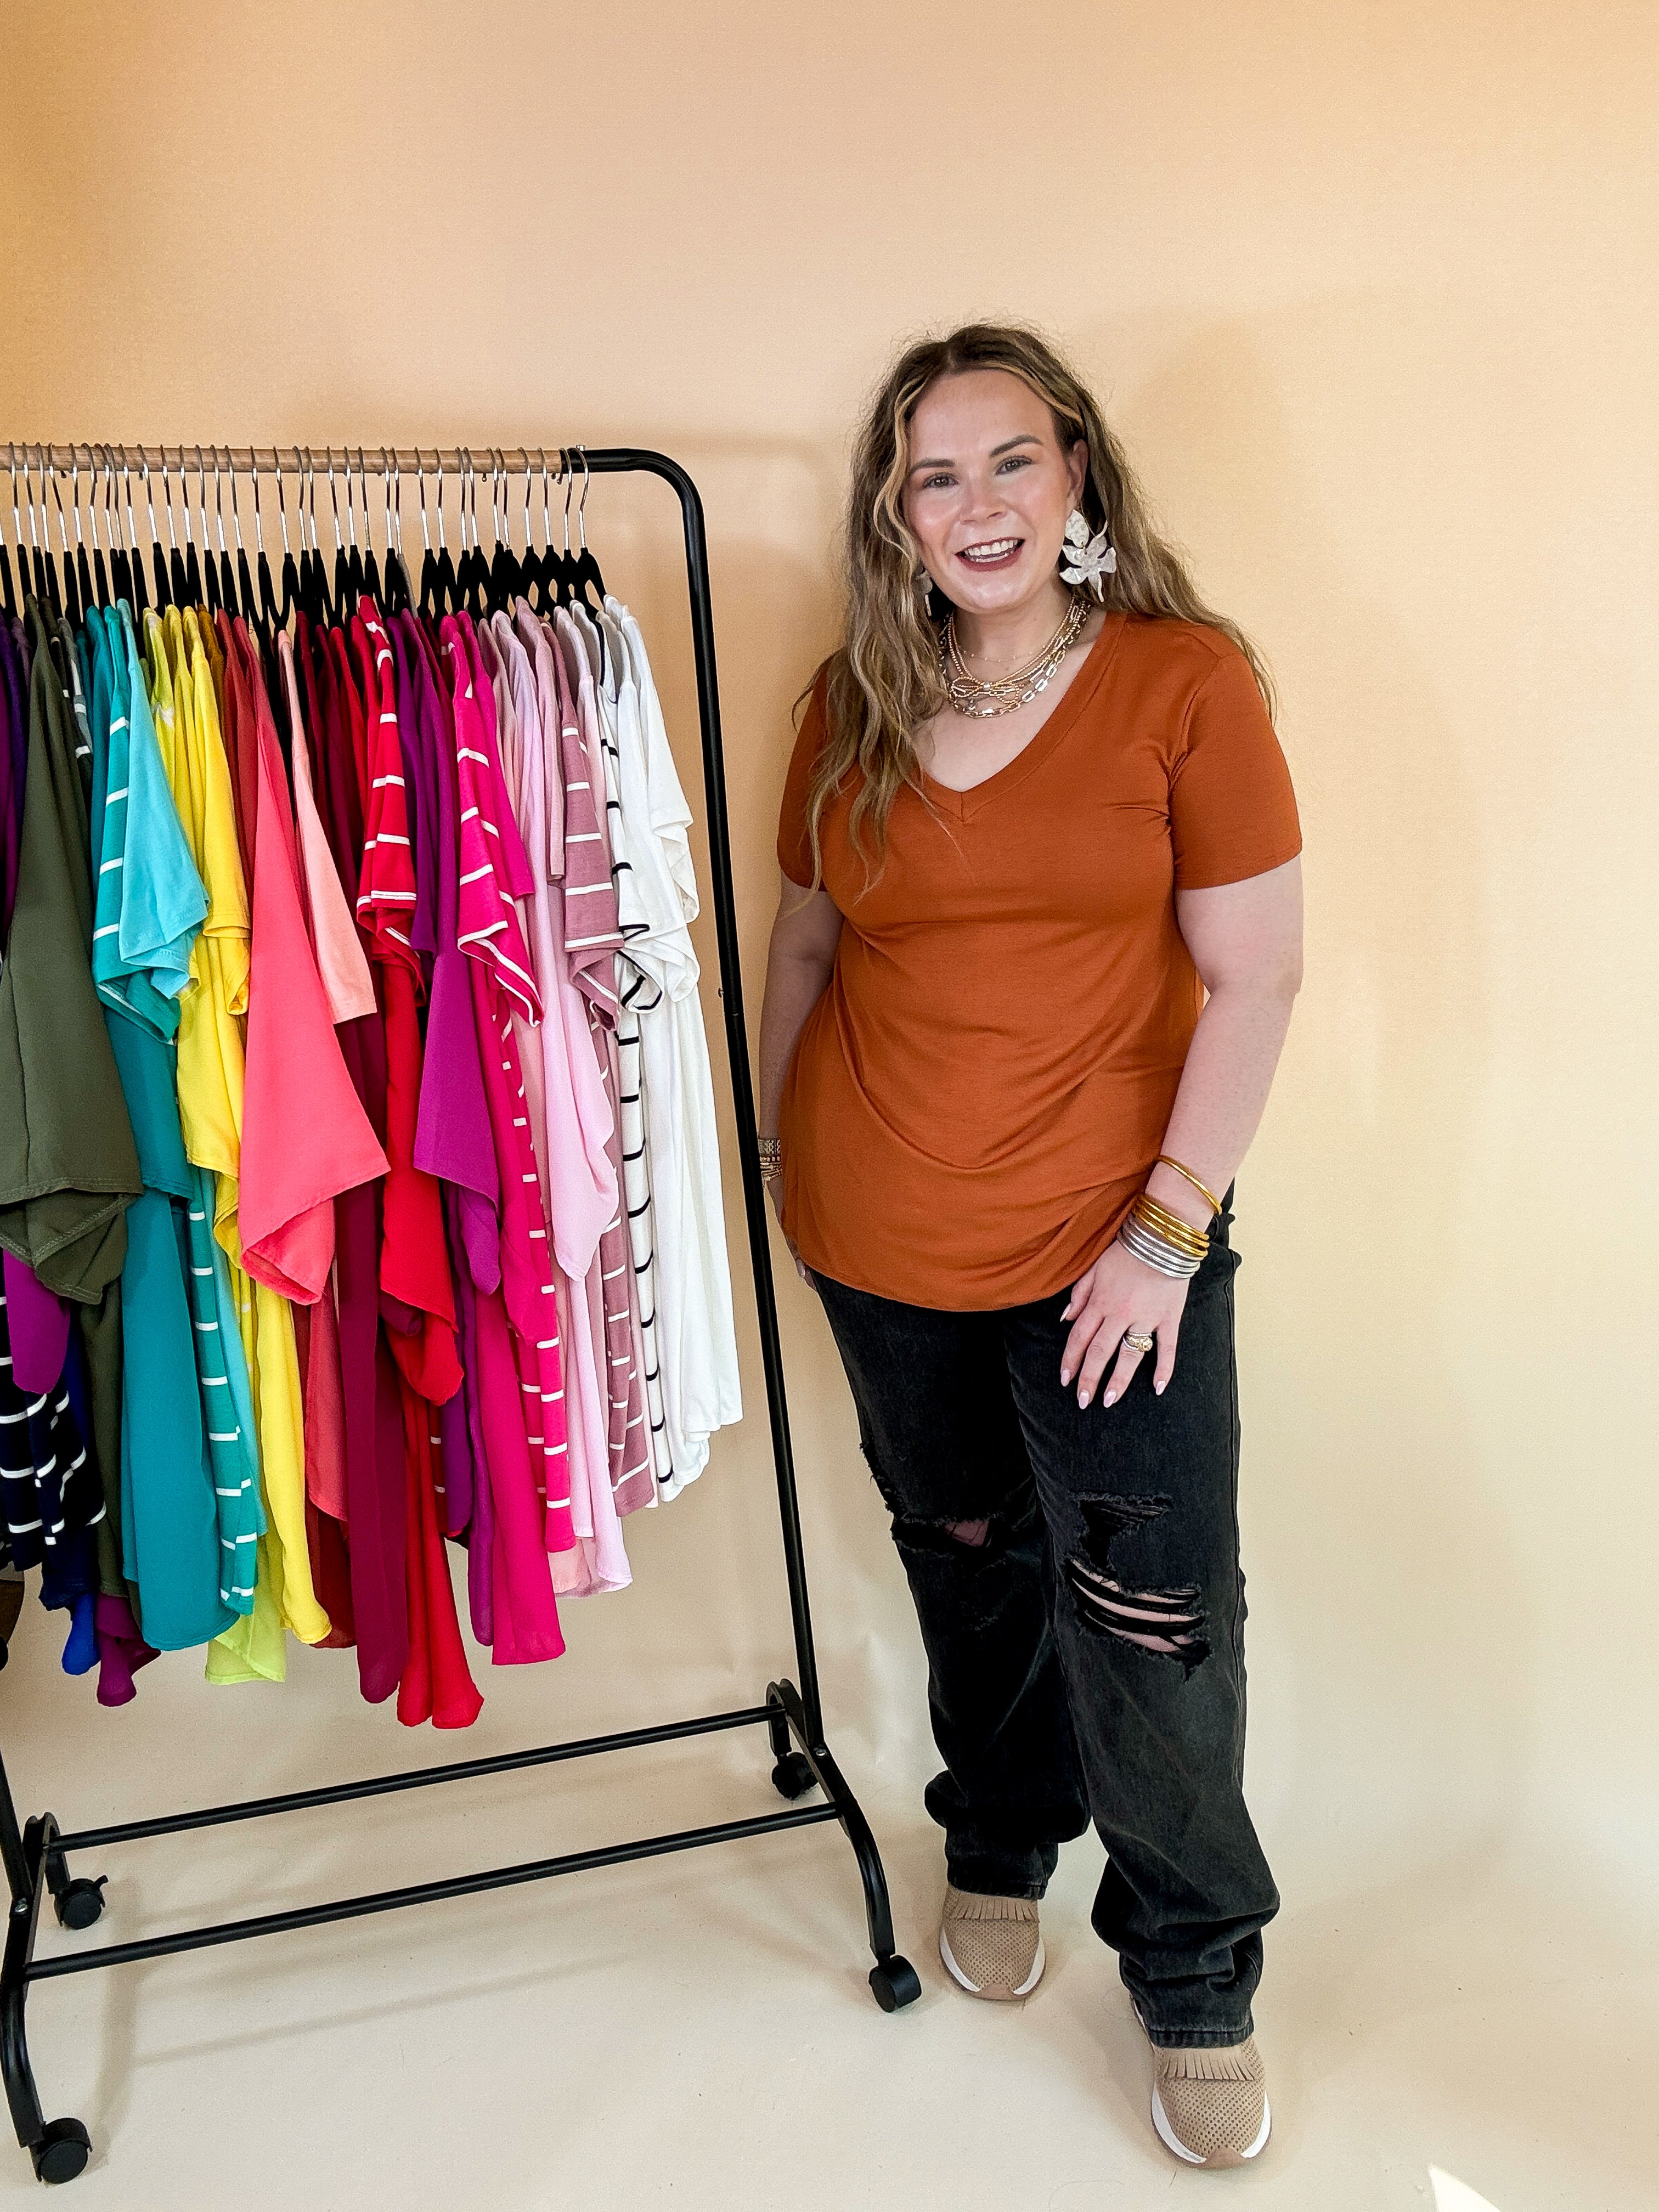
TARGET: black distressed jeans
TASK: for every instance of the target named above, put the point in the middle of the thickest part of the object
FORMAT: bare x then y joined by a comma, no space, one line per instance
1088,1658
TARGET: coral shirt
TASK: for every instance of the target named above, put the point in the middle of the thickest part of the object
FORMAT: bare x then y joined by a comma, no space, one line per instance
985,1085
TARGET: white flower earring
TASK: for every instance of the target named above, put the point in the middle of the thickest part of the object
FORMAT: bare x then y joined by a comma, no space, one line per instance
924,584
1083,559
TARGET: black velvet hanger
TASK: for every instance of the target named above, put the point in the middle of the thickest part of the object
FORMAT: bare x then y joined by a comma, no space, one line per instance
369,585
8,589
506,571
587,571
178,576
561,567
272,618
472,572
82,567
244,597
398,598
71,599
120,560
344,601
158,564
99,574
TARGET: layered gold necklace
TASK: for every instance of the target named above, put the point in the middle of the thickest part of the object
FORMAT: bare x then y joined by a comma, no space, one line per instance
1004,694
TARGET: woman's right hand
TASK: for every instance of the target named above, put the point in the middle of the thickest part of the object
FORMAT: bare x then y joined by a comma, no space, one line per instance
775,1192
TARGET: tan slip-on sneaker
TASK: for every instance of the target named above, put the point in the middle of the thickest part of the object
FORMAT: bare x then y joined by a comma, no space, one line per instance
991,1946
1210,2107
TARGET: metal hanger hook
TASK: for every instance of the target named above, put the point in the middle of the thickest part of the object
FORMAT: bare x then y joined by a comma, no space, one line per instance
57,499
443,545
581,508
570,486
167,495
391,478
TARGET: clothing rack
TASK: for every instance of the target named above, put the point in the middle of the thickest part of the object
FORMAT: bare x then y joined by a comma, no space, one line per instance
36,1852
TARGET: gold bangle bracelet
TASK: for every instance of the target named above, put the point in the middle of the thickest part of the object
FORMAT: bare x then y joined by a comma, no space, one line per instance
1195,1243
1195,1248
1206,1194
1167,1213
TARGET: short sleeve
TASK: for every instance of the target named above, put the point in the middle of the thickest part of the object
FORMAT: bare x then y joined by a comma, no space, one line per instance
1232,811
794,845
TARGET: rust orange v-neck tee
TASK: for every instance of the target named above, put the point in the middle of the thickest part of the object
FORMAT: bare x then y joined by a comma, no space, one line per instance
985,1084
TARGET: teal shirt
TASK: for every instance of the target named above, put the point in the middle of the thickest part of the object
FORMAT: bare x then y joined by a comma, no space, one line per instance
190,1485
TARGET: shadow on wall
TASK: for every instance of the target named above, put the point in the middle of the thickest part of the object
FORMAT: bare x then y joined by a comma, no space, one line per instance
1395,1650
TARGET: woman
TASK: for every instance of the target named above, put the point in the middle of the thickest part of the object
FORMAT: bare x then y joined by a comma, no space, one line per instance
1036,813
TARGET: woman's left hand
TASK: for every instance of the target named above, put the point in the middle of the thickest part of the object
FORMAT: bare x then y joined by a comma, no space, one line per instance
1120,1295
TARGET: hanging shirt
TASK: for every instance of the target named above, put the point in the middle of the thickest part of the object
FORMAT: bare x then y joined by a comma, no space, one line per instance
341,961
189,1475
698,1332
633,991
509,1587
414,1258
211,1091
599,1562
69,1167
305,1135
495,871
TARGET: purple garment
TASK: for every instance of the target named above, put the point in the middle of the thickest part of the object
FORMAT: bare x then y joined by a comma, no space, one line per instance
14,748
39,1323
121,1651
453,1137
468,1415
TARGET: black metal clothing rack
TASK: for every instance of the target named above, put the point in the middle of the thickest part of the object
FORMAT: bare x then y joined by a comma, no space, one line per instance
36,1852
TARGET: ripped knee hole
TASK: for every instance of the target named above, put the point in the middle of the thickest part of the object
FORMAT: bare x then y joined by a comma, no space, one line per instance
1171,1623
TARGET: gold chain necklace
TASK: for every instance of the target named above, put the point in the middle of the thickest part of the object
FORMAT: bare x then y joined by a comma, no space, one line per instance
969,696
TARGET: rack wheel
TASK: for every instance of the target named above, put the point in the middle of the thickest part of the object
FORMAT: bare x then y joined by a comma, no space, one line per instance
79,1905
62,2152
792,1776
896,1984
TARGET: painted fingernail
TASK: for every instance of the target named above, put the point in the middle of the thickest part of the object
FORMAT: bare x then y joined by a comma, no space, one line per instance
1083,1397
1065,1376
1158,1390
1111,1399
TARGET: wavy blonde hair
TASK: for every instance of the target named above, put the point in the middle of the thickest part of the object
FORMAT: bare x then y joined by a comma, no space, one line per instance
883,682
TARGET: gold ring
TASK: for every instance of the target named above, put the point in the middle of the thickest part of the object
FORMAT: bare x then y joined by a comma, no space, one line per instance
1142,1344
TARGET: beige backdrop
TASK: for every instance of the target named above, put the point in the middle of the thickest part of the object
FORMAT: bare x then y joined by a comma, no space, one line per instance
1368,291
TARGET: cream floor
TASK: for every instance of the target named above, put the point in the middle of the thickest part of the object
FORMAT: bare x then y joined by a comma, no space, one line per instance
696,2031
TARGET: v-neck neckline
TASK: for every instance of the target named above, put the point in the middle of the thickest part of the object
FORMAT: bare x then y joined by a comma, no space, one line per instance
1031,756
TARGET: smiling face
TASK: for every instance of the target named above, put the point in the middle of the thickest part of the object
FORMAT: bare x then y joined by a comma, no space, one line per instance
989,489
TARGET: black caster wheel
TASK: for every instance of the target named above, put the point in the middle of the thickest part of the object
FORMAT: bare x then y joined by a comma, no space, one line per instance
62,2152
896,1984
80,1904
792,1776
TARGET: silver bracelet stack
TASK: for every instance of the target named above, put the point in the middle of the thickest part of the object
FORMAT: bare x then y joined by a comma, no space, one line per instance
1154,1248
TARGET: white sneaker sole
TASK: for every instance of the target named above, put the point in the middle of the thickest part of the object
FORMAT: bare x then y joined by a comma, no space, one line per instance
1168,2137
973,1988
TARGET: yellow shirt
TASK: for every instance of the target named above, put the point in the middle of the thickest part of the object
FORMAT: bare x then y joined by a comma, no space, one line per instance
210,1080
